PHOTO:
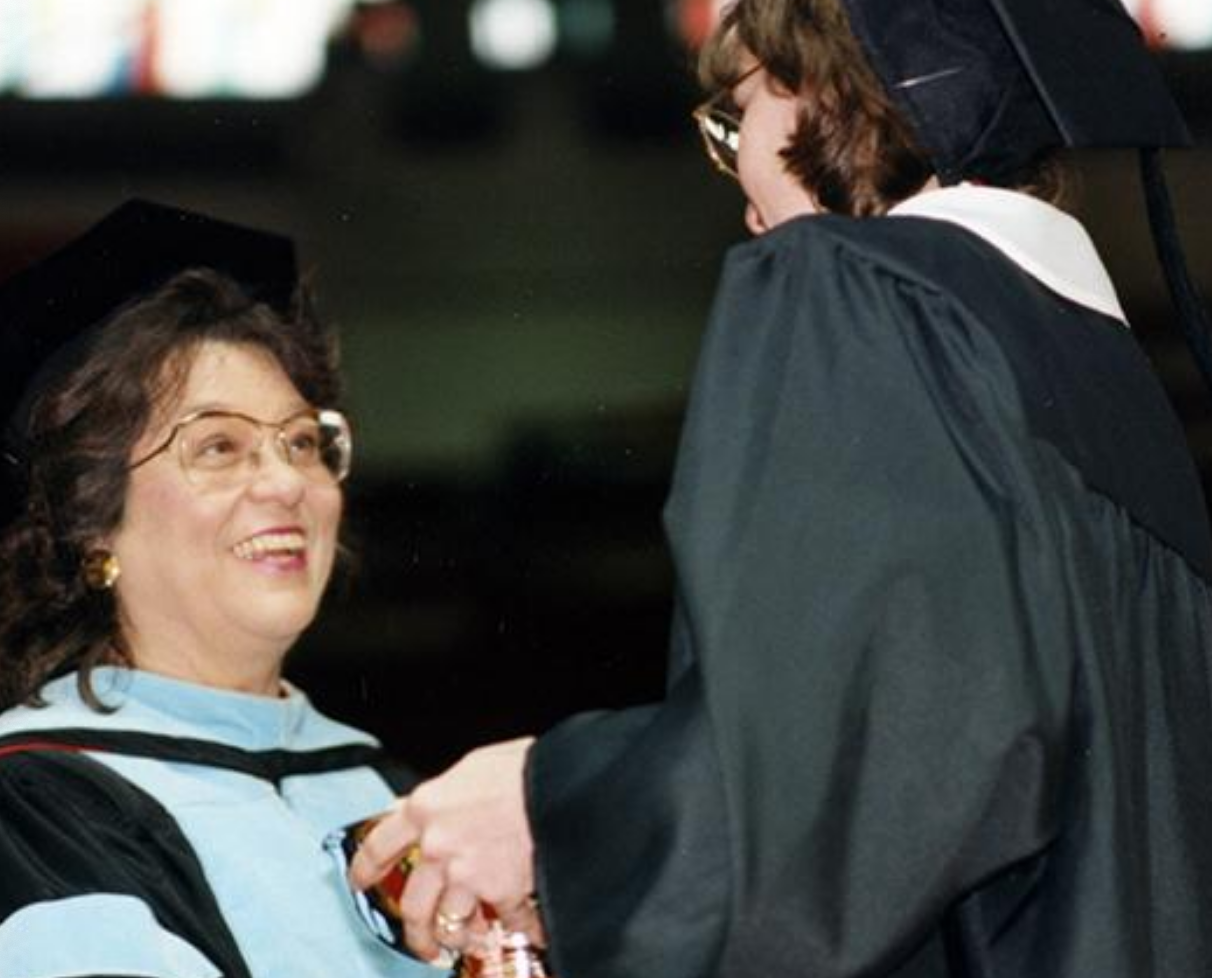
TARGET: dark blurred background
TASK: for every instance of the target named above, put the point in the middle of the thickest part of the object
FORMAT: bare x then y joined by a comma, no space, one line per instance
504,206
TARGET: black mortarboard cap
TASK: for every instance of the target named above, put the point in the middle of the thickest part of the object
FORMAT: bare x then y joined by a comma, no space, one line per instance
50,311
990,84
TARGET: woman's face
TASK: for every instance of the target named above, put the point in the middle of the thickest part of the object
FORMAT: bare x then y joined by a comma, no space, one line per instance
769,117
217,583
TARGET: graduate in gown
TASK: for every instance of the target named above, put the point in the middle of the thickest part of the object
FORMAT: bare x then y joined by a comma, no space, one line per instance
939,701
171,469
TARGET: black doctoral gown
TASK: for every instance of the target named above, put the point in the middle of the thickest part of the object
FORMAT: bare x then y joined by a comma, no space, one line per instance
939,699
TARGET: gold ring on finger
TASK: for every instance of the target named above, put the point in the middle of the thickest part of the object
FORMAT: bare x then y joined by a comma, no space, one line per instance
411,858
451,923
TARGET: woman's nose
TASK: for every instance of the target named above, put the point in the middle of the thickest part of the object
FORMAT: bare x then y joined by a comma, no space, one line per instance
274,477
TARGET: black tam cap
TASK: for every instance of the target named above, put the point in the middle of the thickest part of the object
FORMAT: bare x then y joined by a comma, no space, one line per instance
988,85
50,312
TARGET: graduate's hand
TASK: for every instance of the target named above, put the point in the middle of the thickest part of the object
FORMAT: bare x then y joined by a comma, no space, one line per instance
475,848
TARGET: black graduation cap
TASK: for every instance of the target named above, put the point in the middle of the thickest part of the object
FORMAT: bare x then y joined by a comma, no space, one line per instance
51,311
989,85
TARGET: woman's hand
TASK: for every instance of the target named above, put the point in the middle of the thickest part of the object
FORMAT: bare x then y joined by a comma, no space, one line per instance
475,849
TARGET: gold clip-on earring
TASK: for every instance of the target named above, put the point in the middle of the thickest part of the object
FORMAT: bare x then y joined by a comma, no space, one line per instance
100,569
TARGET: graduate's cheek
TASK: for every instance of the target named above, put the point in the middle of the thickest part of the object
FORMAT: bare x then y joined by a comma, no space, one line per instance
774,194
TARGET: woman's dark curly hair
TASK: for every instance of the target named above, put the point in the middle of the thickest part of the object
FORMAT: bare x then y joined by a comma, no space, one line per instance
851,150
82,430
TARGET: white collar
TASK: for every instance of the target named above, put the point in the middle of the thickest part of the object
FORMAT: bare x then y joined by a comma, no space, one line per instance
1045,242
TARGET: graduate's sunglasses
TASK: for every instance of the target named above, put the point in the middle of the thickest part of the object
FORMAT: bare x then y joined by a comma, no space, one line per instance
223,449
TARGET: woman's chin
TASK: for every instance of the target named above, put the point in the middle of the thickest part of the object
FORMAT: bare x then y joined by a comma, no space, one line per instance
275,625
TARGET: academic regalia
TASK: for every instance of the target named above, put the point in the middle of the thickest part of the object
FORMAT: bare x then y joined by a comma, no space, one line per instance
939,699
182,835
187,832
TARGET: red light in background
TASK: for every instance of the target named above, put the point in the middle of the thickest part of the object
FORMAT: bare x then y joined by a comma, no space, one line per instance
387,33
694,20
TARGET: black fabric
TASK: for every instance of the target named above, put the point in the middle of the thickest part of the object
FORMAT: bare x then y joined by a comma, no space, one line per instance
1080,381
641,904
1088,62
70,827
270,765
989,85
942,560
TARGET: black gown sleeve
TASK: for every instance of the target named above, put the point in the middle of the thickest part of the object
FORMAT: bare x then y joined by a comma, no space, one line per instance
71,828
634,797
878,716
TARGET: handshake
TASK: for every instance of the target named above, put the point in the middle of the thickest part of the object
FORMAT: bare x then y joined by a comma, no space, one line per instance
447,873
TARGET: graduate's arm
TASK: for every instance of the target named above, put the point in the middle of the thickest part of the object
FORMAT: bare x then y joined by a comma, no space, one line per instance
631,846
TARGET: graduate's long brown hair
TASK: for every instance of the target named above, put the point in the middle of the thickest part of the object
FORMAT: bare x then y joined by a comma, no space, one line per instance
82,430
852,150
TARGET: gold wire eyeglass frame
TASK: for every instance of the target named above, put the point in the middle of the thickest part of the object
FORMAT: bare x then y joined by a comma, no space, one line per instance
326,417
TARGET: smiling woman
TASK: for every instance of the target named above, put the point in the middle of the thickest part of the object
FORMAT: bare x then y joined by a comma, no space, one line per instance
222,569
172,468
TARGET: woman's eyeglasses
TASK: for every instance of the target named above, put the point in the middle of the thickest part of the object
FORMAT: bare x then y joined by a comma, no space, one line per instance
222,449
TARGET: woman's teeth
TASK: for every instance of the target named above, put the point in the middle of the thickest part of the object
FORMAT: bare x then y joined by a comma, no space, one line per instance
270,544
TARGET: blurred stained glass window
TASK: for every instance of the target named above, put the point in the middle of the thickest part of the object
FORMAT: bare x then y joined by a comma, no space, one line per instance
79,49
